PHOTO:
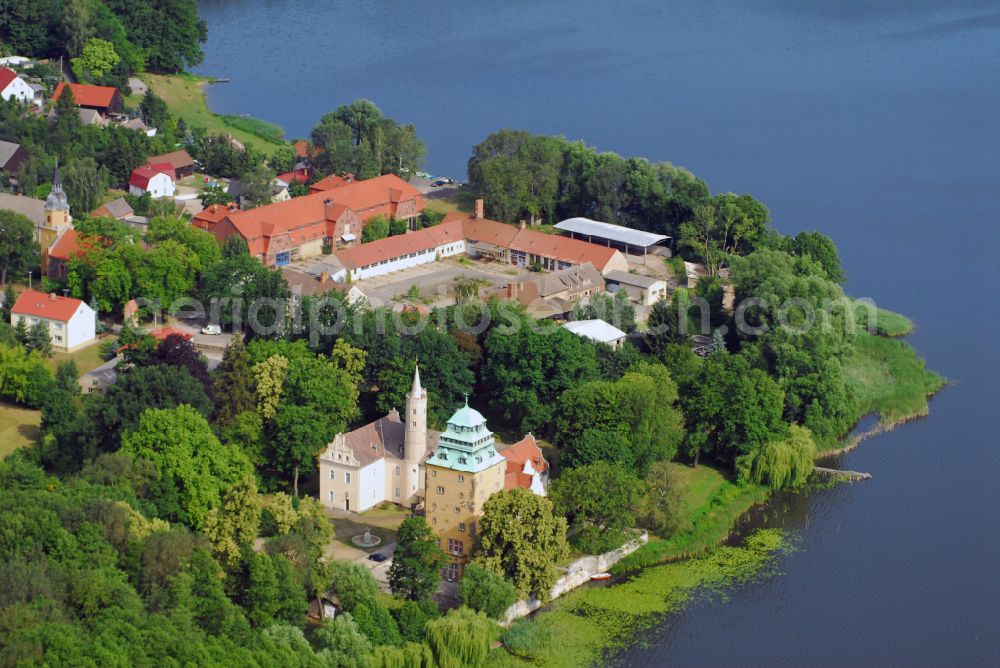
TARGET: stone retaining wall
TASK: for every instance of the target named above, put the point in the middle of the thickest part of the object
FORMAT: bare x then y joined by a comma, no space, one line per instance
577,573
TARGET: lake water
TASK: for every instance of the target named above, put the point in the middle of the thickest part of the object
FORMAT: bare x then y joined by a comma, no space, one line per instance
875,122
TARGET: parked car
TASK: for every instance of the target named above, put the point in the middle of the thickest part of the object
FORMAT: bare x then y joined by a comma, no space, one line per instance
378,556
211,330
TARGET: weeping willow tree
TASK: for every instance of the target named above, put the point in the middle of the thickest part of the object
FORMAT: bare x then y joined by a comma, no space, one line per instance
783,464
459,639
412,655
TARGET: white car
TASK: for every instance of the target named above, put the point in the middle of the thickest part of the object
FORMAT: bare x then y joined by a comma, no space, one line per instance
211,329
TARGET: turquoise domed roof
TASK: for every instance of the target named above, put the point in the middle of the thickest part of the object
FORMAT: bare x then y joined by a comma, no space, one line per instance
467,417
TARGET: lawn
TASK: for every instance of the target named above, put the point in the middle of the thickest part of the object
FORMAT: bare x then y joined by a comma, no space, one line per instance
184,96
714,505
18,428
461,199
86,359
382,522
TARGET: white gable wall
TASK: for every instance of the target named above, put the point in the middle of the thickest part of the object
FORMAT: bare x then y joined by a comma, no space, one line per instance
19,90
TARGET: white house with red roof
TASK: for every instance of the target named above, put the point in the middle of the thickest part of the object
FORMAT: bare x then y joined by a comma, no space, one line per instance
72,324
526,466
158,180
14,87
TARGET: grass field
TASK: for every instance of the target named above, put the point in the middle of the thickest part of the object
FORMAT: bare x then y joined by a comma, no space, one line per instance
86,359
18,428
184,96
714,504
888,378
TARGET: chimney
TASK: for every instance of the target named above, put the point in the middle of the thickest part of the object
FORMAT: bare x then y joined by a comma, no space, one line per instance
324,276
522,224
349,178
511,290
479,209
52,296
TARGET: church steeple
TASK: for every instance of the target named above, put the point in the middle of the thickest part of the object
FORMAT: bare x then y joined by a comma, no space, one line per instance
57,201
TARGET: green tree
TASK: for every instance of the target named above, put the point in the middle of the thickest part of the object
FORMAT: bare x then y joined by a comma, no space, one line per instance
484,591
214,194
283,159
38,339
415,570
460,639
340,644
528,370
232,526
259,596
352,583
85,183
300,433
375,229
18,248
233,383
821,248
522,539
255,184
598,501
97,60
169,31
397,227
784,464
154,110
190,458
662,506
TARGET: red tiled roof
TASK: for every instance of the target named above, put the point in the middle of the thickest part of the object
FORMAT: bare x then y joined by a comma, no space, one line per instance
6,76
386,249
142,175
66,246
563,248
304,218
206,218
298,176
163,332
86,95
302,148
517,454
50,307
553,246
445,233
329,183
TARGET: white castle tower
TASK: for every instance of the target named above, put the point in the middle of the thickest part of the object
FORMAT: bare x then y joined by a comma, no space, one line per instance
414,440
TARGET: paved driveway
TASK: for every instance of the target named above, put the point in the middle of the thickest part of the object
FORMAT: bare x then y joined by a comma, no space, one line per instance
435,280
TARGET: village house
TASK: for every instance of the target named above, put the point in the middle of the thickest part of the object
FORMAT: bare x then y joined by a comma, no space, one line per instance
13,87
526,466
279,233
404,250
552,295
11,157
65,248
303,284
105,100
71,323
181,161
117,208
158,180
212,214
29,207
645,290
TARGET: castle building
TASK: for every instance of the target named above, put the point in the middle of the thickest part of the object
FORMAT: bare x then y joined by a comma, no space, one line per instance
462,473
449,474
381,461
57,219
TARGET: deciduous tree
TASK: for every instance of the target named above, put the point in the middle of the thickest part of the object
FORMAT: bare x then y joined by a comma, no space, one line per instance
416,564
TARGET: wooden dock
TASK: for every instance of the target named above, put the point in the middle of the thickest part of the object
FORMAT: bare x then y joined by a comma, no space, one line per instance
838,473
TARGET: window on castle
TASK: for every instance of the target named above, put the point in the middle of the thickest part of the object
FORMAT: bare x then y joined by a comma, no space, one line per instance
461,478
440,489
414,423
331,474
461,526
397,470
397,492
347,477
331,495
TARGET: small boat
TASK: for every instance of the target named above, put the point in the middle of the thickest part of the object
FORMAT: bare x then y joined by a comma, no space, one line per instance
600,577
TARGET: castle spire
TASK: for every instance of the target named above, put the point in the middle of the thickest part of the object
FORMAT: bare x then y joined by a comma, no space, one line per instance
416,390
56,179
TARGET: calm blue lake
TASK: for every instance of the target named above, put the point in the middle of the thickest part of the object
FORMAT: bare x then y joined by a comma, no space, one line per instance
877,122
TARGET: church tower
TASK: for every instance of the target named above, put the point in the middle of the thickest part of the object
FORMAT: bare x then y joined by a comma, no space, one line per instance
57,218
414,440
